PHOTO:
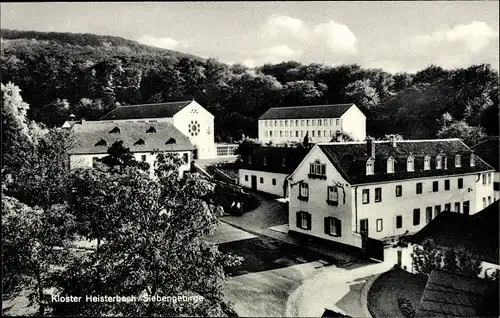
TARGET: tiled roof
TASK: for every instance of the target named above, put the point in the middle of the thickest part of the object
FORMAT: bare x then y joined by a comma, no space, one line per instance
350,159
489,151
274,159
88,134
298,112
159,110
478,234
453,295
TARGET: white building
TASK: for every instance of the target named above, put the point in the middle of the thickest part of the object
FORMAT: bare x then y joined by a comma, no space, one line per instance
320,123
188,117
489,151
95,137
385,189
265,169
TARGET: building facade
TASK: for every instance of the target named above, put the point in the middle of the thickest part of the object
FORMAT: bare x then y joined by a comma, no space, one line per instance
188,117
265,169
386,189
93,138
320,123
489,151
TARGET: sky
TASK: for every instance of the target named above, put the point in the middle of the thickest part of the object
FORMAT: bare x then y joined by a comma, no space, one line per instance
394,35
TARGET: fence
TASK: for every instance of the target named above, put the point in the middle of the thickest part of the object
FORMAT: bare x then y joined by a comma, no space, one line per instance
224,150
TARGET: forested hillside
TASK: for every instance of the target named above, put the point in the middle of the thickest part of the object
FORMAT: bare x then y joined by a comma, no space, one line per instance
87,75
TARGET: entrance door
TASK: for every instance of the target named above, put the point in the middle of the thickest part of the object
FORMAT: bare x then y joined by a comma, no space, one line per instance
254,182
363,226
466,207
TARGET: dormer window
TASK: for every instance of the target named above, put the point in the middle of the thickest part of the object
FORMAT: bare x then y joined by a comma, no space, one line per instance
283,161
445,162
101,142
139,142
427,163
410,164
265,161
115,130
472,160
317,170
439,162
390,165
370,166
458,161
249,160
170,141
151,130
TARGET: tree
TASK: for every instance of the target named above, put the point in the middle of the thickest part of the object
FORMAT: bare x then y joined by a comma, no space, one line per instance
120,157
426,258
342,136
34,240
470,135
362,94
301,93
305,142
155,249
430,75
402,81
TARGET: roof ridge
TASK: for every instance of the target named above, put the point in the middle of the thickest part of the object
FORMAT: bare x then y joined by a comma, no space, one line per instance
344,104
181,101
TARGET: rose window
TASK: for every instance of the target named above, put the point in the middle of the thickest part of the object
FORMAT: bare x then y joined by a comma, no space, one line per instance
194,128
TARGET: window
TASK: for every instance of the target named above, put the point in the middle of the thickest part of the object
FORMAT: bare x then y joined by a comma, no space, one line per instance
337,132
472,160
484,178
458,161
286,123
457,207
337,122
307,122
333,194
399,221
331,122
466,205
427,163
437,210
325,122
369,166
275,123
496,186
143,157
249,159
291,123
489,199
390,165
283,161
270,133
324,133
296,133
439,162
101,142
246,178
261,180
270,123
265,160
447,185
484,202
286,133
116,130
416,217
333,226
317,169
331,133
281,123
447,207
410,164
379,225
319,133
297,123
435,186
428,214
265,133
170,141
312,131
304,191
489,178
319,122
378,194
281,133
301,133
460,183
419,188
303,220
139,142
265,123
314,122
399,190
366,196
274,181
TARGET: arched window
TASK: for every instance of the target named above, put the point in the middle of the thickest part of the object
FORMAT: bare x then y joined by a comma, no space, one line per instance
427,163
410,164
439,162
390,165
472,160
370,166
458,161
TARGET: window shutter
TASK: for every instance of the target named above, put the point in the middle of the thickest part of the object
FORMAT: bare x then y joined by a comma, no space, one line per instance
327,225
298,219
338,226
308,218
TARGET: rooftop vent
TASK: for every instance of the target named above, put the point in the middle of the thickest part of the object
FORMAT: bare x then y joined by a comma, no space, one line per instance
170,141
101,142
151,130
115,130
139,142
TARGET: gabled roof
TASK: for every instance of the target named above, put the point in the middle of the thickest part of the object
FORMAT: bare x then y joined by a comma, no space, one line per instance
299,112
478,234
453,295
159,110
489,151
274,159
89,133
350,158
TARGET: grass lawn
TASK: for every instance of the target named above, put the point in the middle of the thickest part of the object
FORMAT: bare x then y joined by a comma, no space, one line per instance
385,291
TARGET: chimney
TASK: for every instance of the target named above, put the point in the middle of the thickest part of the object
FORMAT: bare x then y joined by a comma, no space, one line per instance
370,147
392,138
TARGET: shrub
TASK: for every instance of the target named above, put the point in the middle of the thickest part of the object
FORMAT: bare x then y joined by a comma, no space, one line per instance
406,307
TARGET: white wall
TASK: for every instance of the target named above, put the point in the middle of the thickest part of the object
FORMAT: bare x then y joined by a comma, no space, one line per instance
291,127
496,178
317,205
354,123
86,160
484,191
245,180
392,206
204,140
